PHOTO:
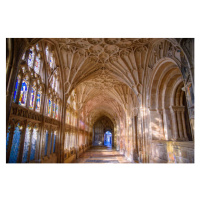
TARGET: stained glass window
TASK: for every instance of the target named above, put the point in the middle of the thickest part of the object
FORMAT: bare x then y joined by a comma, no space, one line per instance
33,144
8,137
23,93
16,88
46,143
49,108
15,144
31,57
56,111
26,144
37,64
54,142
32,98
38,101
53,110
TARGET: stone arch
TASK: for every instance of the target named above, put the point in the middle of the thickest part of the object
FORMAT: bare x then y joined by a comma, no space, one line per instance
167,111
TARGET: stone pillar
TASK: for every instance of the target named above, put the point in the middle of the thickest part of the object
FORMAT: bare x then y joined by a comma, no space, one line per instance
180,130
184,126
162,134
174,122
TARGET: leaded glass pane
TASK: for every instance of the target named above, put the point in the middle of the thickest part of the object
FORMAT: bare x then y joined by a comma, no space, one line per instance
38,102
33,144
46,143
15,144
16,88
49,108
51,141
31,57
56,111
8,137
23,93
37,64
53,110
26,144
54,143
32,98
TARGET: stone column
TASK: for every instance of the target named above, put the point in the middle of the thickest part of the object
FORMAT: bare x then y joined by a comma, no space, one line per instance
180,124
184,126
174,122
161,124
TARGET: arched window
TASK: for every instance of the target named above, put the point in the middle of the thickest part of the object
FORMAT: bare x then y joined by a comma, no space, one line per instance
15,144
29,72
24,91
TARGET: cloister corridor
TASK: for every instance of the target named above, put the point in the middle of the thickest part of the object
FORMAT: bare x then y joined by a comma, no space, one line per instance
68,97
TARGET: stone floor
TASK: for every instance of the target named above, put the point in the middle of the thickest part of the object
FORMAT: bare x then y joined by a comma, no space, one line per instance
101,154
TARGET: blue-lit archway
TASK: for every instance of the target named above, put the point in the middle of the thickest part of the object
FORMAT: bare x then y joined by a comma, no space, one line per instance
108,139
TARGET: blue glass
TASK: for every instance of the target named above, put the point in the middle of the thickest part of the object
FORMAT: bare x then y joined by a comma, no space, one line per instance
38,102
51,141
108,139
8,137
46,143
15,145
54,143
15,92
23,94
26,145
33,144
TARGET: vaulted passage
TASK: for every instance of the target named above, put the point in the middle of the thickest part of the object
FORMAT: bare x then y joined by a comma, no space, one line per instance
100,100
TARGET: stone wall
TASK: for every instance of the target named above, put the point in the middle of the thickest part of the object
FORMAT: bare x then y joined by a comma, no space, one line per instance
171,152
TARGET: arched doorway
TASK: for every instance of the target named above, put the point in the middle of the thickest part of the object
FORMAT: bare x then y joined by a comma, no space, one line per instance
108,139
102,126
